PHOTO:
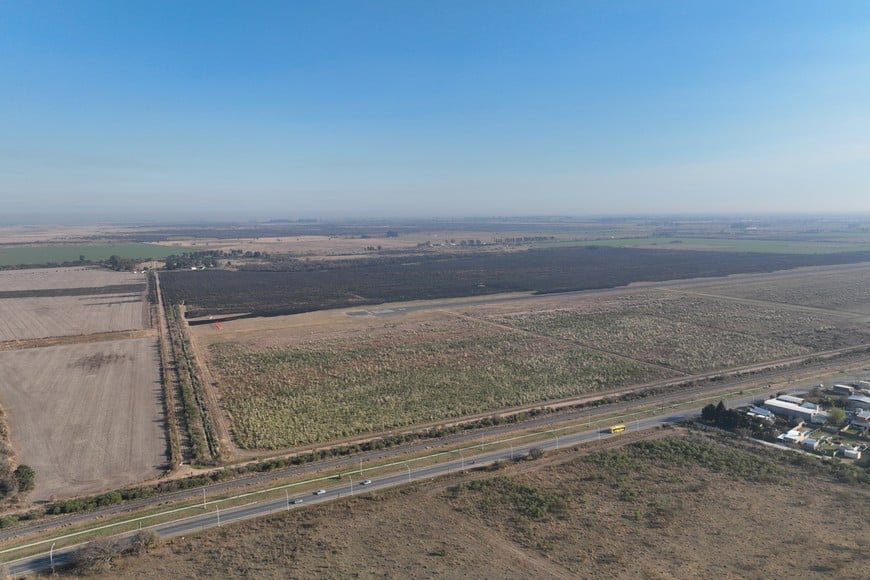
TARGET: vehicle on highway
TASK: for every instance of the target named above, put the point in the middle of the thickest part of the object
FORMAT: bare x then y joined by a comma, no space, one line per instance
367,482
296,501
320,492
617,428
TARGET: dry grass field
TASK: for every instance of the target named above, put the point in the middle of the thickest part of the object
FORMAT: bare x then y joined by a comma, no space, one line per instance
670,507
86,417
427,369
684,332
840,288
292,380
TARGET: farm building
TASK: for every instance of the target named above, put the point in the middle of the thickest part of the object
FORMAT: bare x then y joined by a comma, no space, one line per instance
862,420
791,399
760,413
843,390
795,411
850,452
810,444
856,402
794,436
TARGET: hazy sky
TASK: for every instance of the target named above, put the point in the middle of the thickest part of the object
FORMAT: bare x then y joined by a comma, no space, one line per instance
447,108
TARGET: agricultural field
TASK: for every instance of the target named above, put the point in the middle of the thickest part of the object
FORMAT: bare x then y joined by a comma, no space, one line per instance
36,279
845,289
69,302
86,417
730,244
673,506
318,285
14,255
307,378
430,368
687,333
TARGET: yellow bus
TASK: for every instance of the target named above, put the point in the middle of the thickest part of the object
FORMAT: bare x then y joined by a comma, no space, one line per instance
617,428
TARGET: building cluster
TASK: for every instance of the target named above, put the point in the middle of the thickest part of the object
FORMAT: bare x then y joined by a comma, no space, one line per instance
807,417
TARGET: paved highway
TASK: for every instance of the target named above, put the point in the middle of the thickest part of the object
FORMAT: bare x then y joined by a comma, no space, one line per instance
213,516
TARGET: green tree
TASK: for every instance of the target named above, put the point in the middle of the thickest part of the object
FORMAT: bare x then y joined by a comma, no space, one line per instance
26,477
836,416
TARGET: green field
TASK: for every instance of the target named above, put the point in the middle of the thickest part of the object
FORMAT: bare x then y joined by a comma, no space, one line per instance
862,243
57,254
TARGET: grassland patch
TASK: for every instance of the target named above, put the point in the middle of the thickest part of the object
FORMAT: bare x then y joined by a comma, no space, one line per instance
285,396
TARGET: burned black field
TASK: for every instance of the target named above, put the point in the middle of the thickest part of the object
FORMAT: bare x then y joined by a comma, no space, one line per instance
324,285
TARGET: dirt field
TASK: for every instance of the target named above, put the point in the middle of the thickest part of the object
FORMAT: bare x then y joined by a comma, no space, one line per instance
58,278
672,507
86,417
57,302
26,318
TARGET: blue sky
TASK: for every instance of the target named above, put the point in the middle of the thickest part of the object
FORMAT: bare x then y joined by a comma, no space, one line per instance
288,109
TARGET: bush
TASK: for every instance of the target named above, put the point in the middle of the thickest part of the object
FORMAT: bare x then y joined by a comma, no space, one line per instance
26,477
96,557
535,453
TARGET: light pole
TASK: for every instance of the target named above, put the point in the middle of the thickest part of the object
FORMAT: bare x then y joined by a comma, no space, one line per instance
461,461
512,452
351,483
51,557
409,472
219,515
287,499
203,498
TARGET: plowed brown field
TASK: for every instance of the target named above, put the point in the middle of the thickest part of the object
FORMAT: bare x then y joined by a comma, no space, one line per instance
86,417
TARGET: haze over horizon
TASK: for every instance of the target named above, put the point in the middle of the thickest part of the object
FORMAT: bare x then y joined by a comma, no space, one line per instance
441,109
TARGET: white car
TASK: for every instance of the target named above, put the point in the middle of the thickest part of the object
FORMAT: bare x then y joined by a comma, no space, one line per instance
320,492
297,501
367,482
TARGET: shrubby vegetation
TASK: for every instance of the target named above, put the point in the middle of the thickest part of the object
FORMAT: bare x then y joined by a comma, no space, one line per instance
524,500
284,397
